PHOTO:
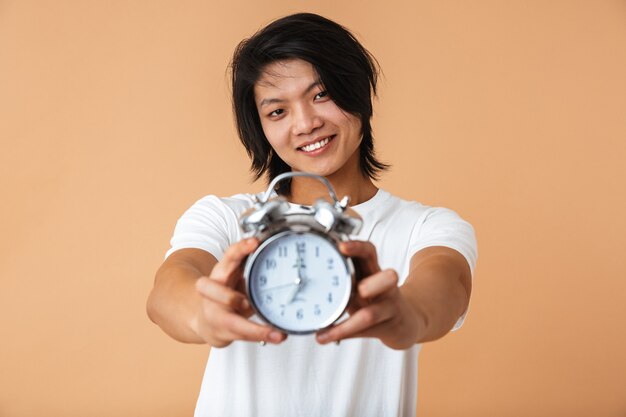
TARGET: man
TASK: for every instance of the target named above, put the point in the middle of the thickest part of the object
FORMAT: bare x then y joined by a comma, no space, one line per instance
302,95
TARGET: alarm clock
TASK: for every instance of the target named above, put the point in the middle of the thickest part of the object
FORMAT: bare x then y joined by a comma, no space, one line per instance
296,279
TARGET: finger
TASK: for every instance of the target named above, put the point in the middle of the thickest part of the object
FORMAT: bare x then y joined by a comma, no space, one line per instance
225,271
373,287
364,254
246,310
377,284
359,323
235,327
222,294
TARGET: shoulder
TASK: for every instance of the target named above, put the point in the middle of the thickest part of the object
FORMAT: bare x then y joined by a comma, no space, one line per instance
214,209
235,204
400,227
402,210
211,224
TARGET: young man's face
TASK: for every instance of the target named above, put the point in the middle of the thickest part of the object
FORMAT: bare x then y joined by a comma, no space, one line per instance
302,123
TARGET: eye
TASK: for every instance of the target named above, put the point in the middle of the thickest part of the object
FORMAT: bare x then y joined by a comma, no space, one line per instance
321,95
276,113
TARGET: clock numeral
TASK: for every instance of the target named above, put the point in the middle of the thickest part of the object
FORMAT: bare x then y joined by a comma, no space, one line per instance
316,310
336,281
263,280
317,251
282,251
282,311
301,247
300,314
330,297
268,299
331,263
270,263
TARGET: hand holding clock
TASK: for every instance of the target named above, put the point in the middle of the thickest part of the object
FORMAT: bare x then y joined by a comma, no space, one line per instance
379,308
418,311
225,310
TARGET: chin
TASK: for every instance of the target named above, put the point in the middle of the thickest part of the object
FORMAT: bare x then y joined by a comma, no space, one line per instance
324,172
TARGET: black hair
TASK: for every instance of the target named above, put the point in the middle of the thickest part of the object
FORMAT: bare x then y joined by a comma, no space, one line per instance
346,69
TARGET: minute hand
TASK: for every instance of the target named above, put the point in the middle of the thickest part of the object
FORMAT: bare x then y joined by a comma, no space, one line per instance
299,265
291,284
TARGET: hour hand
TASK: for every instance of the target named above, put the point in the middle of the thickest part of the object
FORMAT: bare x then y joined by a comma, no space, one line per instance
297,286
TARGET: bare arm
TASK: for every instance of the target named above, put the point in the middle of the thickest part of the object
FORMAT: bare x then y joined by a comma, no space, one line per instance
174,301
424,308
197,299
438,288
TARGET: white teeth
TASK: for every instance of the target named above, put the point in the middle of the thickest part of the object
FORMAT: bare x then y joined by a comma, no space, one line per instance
316,145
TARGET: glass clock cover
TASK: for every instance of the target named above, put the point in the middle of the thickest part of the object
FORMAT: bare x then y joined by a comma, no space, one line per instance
299,282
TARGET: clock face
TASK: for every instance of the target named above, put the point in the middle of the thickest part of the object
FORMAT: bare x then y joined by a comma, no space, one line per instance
298,281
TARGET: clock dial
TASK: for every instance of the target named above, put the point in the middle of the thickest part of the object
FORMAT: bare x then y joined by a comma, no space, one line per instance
298,281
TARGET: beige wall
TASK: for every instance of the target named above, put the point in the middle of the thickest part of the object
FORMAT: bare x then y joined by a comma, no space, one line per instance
115,117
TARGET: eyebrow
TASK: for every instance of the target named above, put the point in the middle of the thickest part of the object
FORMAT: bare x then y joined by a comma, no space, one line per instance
268,101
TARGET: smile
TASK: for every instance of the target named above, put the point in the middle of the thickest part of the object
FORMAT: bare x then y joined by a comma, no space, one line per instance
317,145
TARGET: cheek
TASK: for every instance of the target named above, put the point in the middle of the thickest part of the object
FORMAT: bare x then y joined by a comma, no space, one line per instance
275,134
356,124
341,118
353,126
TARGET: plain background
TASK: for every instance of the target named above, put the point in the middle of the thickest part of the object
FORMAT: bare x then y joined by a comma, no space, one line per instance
115,117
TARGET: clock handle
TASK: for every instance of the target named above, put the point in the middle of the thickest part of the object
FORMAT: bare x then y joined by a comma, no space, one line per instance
339,204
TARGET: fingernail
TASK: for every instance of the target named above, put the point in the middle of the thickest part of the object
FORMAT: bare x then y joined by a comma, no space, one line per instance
275,336
324,337
245,304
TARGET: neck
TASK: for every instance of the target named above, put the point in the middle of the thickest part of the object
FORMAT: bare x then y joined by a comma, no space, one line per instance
306,190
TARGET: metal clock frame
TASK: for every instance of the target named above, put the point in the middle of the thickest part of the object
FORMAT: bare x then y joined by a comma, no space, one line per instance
272,219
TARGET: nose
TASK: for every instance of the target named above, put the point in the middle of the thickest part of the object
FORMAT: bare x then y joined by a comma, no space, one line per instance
305,120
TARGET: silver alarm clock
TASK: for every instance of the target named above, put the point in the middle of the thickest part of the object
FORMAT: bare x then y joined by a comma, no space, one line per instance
297,280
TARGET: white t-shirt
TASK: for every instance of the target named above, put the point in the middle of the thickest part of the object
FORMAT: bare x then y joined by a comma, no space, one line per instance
359,377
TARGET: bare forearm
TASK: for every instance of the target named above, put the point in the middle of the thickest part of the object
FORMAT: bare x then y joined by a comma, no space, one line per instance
174,301
438,289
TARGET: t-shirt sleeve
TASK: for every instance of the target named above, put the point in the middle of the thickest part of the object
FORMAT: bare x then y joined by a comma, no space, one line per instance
209,224
443,227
